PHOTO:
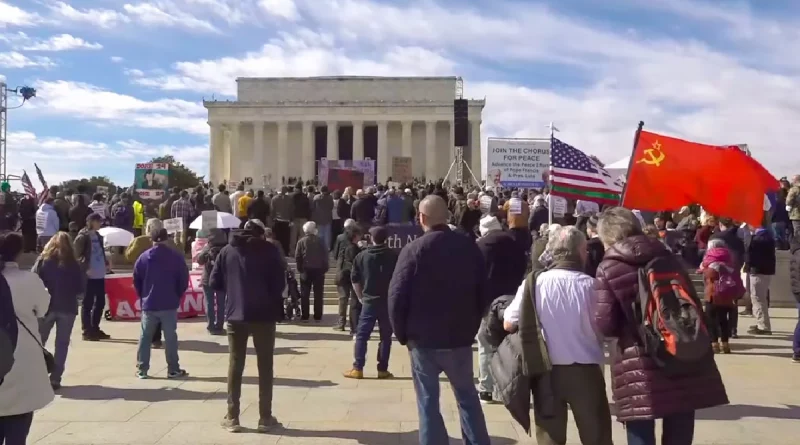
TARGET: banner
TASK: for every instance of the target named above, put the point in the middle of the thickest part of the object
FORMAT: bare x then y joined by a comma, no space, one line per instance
517,162
366,167
339,179
124,304
400,235
151,180
401,169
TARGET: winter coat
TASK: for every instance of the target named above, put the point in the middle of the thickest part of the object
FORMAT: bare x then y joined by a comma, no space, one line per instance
83,248
642,391
363,210
311,253
506,263
259,209
492,327
322,209
64,282
78,214
794,269
793,201
760,256
539,215
301,205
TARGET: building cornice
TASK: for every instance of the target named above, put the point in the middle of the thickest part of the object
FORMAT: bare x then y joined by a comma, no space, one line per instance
324,103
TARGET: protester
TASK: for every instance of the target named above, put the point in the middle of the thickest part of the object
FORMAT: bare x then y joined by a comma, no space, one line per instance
92,258
259,208
322,214
722,287
47,224
506,263
363,210
235,196
437,298
760,262
24,389
301,213
282,206
145,241
793,204
215,300
794,275
311,260
122,213
345,255
251,273
539,214
79,211
61,206
642,390
243,203
594,247
98,206
160,277
221,200
138,215
371,273
183,209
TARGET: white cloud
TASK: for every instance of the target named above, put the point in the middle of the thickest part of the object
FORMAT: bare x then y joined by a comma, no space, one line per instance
61,42
102,18
151,14
75,100
280,8
117,59
18,60
11,15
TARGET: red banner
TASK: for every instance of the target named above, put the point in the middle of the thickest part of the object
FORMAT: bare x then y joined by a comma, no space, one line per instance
124,304
339,179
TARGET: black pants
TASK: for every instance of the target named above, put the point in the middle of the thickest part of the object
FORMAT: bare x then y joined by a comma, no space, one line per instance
348,299
312,278
282,234
337,227
29,235
720,320
14,429
94,302
264,342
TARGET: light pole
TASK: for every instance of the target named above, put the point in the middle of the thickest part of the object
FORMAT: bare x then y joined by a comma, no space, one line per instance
26,93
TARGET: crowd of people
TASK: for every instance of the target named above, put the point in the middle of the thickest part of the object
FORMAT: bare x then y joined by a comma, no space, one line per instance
544,298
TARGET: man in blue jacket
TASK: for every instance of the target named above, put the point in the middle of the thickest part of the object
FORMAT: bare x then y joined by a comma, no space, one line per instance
160,277
437,298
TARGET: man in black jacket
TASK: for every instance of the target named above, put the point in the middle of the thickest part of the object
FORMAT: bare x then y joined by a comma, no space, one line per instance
371,272
251,272
301,206
259,208
363,210
437,298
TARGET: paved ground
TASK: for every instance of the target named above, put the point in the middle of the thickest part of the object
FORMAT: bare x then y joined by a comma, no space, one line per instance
102,402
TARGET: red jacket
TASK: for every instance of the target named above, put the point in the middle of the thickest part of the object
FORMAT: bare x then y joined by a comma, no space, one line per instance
641,390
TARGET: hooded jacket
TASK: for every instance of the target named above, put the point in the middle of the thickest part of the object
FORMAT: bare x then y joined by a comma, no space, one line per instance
252,274
47,222
373,269
208,256
160,277
734,243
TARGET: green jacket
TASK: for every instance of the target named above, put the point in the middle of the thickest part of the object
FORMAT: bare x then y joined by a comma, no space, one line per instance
793,201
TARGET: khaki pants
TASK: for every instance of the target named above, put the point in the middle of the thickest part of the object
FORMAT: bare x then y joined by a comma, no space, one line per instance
759,286
582,389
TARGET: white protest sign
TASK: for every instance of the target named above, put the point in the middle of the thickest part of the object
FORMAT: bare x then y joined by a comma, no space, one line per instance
559,205
209,220
486,204
41,221
173,225
515,206
517,162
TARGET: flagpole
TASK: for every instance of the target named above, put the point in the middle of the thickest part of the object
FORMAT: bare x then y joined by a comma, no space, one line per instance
630,161
553,129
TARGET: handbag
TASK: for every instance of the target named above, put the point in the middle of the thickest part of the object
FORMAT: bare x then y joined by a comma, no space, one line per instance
49,360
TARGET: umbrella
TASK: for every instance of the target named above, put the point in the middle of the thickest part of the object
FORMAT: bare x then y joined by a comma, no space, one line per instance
224,221
115,237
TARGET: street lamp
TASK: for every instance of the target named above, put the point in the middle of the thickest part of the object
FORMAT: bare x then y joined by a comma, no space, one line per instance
26,93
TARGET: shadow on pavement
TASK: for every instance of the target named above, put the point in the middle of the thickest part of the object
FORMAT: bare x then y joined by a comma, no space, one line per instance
740,411
312,336
369,437
277,381
207,347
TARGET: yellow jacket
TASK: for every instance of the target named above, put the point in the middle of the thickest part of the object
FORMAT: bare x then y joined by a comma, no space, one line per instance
138,215
243,204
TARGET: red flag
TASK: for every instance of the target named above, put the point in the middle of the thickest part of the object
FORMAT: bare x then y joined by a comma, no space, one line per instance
667,173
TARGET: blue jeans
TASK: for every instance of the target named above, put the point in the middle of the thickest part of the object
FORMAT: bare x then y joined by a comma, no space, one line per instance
94,302
63,323
796,339
678,429
370,312
215,308
169,324
485,353
456,364
325,233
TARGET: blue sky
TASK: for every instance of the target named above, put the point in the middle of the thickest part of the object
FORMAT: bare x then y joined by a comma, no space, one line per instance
122,81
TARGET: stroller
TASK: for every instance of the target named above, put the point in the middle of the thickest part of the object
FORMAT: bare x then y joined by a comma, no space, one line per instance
291,301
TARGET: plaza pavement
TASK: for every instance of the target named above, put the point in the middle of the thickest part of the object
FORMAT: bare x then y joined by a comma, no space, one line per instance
103,403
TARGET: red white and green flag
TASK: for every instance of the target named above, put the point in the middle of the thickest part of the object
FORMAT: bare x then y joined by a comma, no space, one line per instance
575,175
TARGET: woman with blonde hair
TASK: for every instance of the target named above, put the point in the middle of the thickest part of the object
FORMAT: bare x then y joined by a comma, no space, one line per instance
62,276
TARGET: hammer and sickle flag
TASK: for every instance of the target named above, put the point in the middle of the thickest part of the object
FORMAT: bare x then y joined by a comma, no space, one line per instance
667,173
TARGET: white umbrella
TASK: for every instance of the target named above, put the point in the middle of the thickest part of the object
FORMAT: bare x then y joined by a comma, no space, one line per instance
224,221
115,237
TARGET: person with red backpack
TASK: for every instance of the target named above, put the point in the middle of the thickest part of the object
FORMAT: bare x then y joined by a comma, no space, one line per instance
664,366
722,288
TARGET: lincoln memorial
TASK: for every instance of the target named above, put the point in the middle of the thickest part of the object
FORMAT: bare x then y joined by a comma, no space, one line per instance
281,127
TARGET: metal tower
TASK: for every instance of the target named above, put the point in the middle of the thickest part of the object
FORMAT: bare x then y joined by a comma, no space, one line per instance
26,93
458,165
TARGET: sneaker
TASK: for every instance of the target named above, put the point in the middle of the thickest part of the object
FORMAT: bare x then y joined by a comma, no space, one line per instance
179,374
102,335
231,425
758,331
142,375
266,425
726,348
158,344
485,397
354,374
383,375
90,336
715,347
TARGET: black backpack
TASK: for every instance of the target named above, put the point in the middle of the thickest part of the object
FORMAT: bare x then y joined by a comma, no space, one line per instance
670,317
9,330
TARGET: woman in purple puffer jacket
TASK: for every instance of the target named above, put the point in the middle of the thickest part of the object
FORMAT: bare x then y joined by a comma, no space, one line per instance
642,391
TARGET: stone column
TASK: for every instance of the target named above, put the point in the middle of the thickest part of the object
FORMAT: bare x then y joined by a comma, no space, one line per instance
406,139
216,151
475,149
283,152
430,151
333,140
234,170
308,151
257,168
451,150
358,140
384,163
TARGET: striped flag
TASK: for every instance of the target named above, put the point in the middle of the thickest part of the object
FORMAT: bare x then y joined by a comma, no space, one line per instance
46,192
576,176
30,190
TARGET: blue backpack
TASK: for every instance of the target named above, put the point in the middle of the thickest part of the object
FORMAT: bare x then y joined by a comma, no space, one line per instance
8,329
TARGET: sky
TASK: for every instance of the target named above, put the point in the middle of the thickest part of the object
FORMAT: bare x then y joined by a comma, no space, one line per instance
121,81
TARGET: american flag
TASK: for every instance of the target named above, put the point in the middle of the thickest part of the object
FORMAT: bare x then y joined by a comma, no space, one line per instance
30,190
576,176
46,190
